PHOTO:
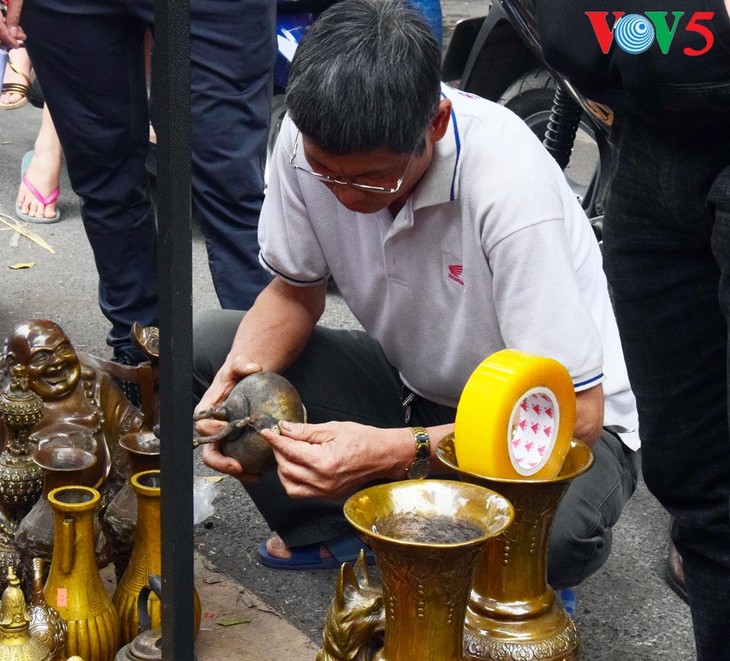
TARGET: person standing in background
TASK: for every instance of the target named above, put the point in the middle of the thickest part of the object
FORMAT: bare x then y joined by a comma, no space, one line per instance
90,56
666,242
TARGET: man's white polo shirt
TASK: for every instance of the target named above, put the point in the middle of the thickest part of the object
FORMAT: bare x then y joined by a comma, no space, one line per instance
490,251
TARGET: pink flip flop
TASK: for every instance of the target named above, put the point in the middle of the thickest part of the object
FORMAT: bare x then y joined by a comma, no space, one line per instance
37,194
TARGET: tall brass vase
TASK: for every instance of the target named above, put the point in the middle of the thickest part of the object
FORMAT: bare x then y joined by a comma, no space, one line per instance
74,587
513,614
146,559
425,583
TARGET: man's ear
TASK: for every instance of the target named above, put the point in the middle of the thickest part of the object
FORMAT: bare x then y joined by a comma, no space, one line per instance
440,123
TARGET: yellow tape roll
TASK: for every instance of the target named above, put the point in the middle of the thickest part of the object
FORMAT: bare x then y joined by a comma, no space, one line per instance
515,417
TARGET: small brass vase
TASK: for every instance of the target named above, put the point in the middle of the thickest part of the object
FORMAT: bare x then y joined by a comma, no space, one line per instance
513,614
425,582
74,588
146,559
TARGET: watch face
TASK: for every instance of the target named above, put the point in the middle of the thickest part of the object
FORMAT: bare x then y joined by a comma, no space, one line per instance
419,469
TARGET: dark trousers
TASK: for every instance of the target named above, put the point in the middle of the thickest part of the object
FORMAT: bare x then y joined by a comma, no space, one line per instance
344,375
89,56
667,257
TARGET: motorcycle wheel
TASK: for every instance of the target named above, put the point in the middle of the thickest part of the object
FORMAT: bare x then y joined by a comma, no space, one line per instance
531,98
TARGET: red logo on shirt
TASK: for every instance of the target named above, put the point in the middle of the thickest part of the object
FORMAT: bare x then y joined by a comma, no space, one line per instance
455,270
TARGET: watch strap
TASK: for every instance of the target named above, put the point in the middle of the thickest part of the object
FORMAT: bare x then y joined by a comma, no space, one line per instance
421,465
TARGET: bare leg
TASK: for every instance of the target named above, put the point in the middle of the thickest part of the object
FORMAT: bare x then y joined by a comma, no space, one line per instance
44,171
19,57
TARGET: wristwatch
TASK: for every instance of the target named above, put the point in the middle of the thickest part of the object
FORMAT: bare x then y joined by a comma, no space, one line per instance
421,465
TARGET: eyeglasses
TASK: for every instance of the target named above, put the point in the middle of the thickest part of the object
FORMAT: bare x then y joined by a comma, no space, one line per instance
325,179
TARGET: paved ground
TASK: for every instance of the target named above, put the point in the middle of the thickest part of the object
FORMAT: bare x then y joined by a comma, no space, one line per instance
625,612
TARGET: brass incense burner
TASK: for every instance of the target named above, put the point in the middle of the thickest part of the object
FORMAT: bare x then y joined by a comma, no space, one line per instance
513,614
20,478
426,536
16,641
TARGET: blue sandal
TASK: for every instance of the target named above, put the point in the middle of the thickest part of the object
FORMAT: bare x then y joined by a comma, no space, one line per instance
344,548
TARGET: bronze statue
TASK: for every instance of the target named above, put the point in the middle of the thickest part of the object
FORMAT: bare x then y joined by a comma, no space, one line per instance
81,397
355,621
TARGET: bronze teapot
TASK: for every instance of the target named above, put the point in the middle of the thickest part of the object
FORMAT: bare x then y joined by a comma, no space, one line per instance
147,646
257,402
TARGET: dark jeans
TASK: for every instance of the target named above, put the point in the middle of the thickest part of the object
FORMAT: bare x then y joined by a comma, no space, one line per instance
667,257
344,375
89,56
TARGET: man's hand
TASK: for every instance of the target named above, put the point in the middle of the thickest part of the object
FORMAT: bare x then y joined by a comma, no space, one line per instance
11,34
335,458
228,376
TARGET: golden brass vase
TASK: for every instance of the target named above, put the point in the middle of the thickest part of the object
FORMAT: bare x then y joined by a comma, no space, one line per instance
74,587
513,614
426,582
146,559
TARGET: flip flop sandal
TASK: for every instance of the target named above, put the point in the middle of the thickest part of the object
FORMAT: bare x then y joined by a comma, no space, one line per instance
344,548
18,88
38,196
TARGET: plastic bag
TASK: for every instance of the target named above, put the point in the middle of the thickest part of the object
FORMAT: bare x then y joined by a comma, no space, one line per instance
204,492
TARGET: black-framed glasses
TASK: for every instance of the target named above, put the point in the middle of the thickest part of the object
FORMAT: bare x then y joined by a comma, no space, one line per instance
325,179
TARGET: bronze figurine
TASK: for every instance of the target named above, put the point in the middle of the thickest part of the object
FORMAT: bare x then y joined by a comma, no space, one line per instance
78,395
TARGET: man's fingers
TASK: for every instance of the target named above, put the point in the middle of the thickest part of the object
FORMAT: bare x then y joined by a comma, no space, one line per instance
215,459
209,426
302,431
292,448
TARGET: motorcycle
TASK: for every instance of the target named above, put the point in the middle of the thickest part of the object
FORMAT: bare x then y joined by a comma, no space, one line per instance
498,57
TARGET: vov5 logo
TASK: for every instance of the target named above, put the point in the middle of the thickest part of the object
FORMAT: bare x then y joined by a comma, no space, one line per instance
634,33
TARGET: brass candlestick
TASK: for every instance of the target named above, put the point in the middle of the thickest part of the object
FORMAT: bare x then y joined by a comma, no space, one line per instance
513,614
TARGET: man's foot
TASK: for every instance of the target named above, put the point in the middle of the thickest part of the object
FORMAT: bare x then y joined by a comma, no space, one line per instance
674,572
130,389
329,554
43,174
17,80
278,549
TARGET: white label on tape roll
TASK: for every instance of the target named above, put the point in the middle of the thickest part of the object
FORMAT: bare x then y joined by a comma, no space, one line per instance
532,430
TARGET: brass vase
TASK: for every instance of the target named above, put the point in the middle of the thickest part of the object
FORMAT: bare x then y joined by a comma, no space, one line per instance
61,467
74,587
45,623
146,559
513,614
426,536
120,517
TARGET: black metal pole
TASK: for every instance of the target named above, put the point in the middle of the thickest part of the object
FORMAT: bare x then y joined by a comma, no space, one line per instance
171,79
